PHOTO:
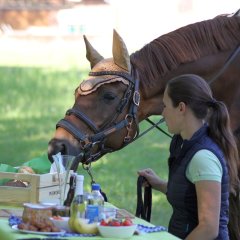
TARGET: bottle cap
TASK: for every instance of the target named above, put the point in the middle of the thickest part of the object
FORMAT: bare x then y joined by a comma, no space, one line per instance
95,186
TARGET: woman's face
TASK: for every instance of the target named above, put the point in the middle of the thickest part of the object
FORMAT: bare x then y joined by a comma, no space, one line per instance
171,114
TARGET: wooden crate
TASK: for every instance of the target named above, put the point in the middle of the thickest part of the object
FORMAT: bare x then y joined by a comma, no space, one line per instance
41,188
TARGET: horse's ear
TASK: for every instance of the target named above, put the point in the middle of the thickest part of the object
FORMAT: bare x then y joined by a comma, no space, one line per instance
92,55
120,52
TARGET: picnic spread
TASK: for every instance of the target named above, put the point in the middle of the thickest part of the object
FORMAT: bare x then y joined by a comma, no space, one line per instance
145,230
18,206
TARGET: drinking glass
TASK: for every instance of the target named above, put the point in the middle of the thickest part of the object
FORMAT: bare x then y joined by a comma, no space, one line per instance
66,161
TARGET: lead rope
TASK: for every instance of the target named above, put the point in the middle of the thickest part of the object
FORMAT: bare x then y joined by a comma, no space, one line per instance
88,169
144,205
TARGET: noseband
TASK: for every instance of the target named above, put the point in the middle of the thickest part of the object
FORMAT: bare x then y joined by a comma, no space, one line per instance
88,142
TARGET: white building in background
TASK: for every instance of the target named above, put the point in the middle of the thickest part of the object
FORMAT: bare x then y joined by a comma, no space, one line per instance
138,21
93,20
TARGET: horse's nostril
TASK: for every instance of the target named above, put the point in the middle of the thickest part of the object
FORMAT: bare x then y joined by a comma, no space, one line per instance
55,146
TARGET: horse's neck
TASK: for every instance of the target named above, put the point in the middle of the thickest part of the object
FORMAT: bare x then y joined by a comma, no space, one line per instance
207,67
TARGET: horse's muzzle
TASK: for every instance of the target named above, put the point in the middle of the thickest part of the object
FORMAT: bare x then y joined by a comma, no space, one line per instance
63,146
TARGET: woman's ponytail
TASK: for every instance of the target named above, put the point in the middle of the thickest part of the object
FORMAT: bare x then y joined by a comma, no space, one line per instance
220,131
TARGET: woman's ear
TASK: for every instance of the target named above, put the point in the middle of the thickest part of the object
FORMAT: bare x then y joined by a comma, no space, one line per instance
182,107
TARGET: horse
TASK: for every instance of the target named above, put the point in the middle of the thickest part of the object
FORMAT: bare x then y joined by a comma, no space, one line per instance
124,90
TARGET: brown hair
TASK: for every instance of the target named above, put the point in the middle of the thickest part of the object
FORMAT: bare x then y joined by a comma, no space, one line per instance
196,93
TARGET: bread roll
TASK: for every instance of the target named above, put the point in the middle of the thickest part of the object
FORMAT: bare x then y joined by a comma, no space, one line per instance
15,183
26,170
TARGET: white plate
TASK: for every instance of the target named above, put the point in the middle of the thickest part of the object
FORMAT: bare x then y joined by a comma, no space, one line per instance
15,227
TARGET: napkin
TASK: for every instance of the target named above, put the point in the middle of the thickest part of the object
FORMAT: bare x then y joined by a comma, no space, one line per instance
57,165
14,220
141,229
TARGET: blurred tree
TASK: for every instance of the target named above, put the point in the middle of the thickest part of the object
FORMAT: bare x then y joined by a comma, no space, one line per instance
34,4
20,14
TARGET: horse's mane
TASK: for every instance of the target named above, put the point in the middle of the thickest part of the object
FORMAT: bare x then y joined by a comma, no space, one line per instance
184,45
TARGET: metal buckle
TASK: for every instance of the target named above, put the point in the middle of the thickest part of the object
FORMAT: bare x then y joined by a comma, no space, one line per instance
136,98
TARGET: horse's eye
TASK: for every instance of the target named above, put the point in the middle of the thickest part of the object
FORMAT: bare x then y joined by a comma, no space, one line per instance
109,96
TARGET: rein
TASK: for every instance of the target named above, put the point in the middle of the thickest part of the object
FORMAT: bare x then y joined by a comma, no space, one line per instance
226,64
144,203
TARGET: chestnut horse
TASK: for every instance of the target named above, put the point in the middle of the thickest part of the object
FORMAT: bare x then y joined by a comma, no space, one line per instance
124,90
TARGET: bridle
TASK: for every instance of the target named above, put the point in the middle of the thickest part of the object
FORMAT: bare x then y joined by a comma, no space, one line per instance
131,97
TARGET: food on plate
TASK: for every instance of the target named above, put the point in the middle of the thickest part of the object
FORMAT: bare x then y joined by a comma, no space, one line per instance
61,222
127,222
115,228
36,218
44,225
117,222
57,218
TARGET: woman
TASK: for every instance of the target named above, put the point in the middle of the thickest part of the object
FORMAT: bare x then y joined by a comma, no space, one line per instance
203,160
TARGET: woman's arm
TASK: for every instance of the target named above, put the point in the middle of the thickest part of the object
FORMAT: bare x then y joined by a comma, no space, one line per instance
209,202
154,180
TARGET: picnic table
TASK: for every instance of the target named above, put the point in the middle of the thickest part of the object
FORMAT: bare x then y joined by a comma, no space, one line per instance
6,211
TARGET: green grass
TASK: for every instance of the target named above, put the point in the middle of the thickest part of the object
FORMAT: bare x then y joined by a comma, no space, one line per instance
33,99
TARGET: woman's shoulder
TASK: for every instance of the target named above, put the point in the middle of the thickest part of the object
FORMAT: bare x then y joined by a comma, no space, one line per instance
204,156
204,165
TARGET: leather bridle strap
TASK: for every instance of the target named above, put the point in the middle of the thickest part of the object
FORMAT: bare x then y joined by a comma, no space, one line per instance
101,135
71,128
82,117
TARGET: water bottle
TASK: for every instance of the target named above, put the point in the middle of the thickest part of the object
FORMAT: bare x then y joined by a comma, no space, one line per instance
95,204
78,206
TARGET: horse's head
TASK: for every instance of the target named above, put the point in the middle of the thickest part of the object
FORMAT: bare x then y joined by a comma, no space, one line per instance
103,118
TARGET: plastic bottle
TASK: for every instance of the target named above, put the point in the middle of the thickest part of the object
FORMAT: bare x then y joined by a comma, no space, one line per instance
78,205
95,204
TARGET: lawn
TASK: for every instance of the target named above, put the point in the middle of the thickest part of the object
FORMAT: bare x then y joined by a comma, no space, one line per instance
34,98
